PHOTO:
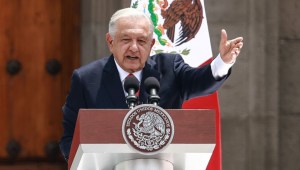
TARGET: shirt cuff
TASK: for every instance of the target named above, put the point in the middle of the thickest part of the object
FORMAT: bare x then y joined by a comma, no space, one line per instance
219,68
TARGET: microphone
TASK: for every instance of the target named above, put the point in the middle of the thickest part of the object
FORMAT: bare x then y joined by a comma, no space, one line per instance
152,88
131,86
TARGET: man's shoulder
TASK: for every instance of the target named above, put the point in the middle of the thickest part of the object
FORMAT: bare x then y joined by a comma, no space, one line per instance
94,68
94,65
165,58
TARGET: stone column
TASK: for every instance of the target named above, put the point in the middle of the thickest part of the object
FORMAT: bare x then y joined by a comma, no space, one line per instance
95,15
249,98
289,91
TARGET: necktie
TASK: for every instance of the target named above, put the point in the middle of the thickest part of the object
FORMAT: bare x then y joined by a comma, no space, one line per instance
138,92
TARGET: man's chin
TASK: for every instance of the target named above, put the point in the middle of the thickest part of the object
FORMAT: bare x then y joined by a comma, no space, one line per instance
133,69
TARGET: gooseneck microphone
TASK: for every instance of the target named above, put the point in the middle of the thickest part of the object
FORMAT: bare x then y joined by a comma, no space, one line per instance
131,86
152,88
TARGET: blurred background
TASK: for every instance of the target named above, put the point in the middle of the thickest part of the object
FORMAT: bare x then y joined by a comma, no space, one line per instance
42,41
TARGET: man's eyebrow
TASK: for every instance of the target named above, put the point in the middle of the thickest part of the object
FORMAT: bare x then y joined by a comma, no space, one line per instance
125,35
145,37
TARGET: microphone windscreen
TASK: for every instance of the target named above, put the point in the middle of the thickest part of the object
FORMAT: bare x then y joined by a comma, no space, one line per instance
131,82
151,83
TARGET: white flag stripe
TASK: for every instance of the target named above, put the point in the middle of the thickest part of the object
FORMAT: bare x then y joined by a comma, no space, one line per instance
199,48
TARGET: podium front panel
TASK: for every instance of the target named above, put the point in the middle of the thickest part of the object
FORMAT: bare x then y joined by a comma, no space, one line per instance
98,142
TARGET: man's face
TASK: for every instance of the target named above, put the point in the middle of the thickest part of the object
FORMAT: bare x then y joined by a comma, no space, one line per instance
131,44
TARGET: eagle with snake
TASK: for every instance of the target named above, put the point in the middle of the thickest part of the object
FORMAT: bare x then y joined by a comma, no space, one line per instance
188,12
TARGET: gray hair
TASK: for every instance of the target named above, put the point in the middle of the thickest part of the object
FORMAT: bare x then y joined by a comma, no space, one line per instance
129,13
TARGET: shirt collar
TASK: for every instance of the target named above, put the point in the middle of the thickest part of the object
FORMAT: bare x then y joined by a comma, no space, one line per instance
123,74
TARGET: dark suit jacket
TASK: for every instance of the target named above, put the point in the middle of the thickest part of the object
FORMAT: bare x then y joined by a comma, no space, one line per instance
98,85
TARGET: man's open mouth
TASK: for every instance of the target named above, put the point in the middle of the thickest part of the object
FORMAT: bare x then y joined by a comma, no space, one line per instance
132,57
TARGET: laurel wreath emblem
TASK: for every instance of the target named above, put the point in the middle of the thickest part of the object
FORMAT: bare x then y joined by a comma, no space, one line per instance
148,142
149,133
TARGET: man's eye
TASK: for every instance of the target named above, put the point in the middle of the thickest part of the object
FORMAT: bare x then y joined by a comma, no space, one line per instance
142,41
126,40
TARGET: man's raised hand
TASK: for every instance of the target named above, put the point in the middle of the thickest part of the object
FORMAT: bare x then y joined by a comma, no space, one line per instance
230,49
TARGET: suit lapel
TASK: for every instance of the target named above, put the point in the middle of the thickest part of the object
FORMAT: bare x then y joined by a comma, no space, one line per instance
113,85
148,71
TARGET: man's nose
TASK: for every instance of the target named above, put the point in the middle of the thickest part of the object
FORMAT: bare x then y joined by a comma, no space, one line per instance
134,46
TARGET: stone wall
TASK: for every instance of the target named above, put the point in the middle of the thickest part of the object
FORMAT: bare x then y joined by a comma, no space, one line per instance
249,99
260,102
289,91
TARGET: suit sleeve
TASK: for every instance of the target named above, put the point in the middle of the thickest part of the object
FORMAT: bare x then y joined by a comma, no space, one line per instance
195,82
75,101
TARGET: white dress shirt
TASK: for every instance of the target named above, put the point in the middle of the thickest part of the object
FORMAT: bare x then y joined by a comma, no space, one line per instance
123,74
219,68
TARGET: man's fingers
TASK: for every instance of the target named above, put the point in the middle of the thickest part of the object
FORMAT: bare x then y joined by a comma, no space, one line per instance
236,43
223,36
230,49
236,51
240,45
237,40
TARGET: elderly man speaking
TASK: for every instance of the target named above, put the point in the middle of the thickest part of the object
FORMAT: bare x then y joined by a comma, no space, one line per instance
130,40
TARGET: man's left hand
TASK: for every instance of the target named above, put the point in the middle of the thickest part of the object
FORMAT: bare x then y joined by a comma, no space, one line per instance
230,49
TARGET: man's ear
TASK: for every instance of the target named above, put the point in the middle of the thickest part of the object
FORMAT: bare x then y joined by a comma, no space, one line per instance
153,42
109,41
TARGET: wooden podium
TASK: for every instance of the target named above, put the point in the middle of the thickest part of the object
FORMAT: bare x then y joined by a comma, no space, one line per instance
98,143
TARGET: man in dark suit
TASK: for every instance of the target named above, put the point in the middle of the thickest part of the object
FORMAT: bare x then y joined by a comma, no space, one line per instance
100,83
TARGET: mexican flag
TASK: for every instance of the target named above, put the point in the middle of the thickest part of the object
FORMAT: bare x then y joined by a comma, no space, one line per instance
181,27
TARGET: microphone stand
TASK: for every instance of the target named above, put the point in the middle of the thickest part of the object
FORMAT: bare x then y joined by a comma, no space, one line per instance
131,99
